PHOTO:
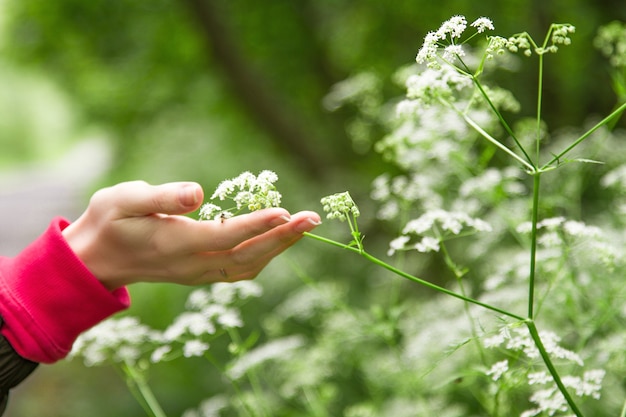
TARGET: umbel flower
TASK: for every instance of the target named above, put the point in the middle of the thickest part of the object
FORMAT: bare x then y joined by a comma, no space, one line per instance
340,206
247,191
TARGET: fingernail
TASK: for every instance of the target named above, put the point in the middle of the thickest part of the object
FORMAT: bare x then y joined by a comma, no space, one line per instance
280,220
305,226
188,195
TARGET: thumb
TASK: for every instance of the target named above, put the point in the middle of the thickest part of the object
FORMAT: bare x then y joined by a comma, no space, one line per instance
138,198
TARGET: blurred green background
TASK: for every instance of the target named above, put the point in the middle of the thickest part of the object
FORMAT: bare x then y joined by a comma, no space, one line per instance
202,90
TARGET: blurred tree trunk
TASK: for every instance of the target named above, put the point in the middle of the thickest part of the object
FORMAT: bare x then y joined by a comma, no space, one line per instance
263,104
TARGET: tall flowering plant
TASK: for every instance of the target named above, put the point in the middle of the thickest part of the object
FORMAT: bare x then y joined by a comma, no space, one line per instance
447,111
530,293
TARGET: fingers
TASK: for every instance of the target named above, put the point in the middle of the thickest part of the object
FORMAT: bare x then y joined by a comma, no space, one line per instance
138,198
246,260
215,235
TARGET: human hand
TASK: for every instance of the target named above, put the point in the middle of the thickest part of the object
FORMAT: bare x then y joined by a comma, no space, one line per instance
134,232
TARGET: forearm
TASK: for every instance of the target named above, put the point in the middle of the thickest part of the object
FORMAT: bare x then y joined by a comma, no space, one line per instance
48,297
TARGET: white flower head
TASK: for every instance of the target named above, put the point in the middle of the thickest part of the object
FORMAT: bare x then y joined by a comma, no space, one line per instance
340,206
247,191
454,27
451,52
194,348
498,369
482,24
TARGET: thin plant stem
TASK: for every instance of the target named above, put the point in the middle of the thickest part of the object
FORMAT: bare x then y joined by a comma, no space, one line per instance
501,119
138,380
494,141
252,376
234,384
539,106
312,398
548,362
403,274
533,247
623,413
598,125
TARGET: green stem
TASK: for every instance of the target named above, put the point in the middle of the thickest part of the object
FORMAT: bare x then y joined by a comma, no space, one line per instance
150,402
252,377
601,123
414,278
501,119
623,413
494,141
539,104
234,384
548,362
533,247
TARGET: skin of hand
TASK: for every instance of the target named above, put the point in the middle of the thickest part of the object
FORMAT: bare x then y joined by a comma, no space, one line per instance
136,232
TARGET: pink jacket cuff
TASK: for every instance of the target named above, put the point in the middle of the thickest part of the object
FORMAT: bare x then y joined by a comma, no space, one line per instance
48,297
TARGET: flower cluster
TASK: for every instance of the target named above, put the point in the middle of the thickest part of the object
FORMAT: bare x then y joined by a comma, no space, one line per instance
117,340
433,226
450,30
247,191
209,310
546,396
611,41
340,206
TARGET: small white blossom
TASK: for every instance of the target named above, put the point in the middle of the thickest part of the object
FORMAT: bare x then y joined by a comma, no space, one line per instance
230,318
210,407
455,26
428,51
194,348
397,244
482,24
192,323
451,52
498,369
247,191
340,206
278,348
427,244
116,339
539,378
160,353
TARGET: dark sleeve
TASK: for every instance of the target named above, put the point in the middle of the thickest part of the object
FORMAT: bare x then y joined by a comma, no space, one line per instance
13,370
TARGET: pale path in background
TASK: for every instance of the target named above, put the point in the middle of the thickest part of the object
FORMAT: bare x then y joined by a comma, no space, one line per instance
32,195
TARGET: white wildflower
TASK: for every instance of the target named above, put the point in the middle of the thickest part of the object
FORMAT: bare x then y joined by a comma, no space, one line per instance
117,339
159,353
551,223
192,323
278,348
247,191
482,24
455,26
498,369
198,299
340,206
427,244
452,222
397,244
230,318
580,229
194,348
539,378
210,407
428,51
451,52
549,401
210,211
497,46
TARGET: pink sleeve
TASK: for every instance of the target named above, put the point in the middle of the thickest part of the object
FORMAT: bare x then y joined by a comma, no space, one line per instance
48,297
